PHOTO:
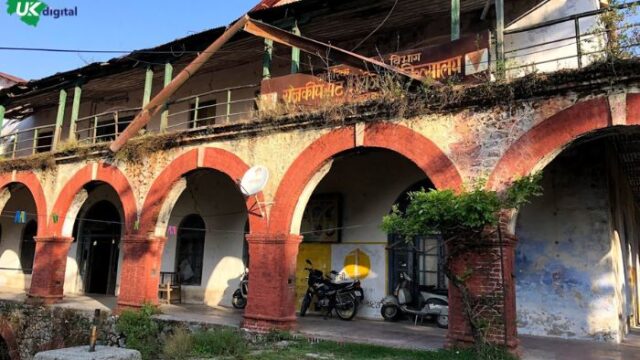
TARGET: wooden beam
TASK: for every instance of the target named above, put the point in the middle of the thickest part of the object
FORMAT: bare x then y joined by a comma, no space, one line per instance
295,52
148,85
62,102
75,111
267,59
157,103
455,20
2,110
320,49
168,75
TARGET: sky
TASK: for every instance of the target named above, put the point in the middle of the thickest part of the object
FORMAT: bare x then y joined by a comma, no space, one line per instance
106,25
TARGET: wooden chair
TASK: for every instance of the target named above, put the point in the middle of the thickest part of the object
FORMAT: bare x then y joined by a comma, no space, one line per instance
170,289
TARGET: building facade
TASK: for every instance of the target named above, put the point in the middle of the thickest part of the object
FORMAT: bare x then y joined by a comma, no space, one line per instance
77,219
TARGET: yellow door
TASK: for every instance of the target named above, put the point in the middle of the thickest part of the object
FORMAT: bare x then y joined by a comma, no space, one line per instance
320,256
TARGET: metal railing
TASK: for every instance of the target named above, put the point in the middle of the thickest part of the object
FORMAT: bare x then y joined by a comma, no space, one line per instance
104,126
570,42
27,142
208,110
213,108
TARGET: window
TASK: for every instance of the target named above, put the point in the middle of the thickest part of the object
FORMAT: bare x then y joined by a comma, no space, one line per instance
431,262
106,130
44,141
190,250
28,246
423,261
205,115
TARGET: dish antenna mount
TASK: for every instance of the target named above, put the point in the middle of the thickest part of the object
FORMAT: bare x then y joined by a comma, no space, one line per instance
253,181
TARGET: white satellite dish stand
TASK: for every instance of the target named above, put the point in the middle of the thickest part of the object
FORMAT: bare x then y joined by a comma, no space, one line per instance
253,181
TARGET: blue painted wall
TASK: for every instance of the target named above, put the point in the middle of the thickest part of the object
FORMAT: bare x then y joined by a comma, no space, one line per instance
565,281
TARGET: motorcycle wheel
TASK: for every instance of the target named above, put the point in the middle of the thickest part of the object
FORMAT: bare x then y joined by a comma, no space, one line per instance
442,321
389,312
348,313
306,301
238,301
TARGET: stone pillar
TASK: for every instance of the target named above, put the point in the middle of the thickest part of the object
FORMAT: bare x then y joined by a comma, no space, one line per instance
491,279
140,273
272,285
49,265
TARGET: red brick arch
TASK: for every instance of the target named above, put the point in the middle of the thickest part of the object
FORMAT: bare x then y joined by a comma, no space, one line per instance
9,337
400,139
549,137
31,182
105,173
212,158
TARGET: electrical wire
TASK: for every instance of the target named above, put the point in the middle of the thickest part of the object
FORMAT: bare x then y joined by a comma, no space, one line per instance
36,216
377,27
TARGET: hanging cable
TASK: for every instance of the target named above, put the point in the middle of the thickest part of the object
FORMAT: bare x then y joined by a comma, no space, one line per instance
377,27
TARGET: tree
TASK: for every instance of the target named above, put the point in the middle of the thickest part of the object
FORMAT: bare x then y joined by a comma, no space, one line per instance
466,220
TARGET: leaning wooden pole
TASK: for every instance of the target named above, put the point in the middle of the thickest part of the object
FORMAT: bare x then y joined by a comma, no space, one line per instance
145,115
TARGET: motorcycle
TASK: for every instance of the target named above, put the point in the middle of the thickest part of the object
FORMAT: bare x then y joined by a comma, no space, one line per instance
343,297
239,300
430,303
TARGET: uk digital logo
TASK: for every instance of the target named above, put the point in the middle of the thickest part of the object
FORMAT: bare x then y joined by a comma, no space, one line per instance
30,11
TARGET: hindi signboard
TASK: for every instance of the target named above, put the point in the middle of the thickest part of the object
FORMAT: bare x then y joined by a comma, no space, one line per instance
464,60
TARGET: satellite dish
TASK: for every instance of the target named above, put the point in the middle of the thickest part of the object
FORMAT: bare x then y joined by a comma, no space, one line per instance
254,180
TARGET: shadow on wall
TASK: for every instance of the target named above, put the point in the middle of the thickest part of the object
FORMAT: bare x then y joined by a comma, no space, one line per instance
210,254
17,246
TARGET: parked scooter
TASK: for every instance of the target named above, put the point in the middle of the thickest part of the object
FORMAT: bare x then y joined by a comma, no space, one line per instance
428,304
343,297
239,300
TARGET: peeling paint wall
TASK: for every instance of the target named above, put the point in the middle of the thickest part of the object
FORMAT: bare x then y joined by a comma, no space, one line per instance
570,268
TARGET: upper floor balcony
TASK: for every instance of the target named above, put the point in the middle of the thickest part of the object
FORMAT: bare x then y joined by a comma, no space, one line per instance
254,81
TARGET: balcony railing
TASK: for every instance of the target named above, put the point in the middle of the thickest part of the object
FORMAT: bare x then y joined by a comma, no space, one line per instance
27,142
571,42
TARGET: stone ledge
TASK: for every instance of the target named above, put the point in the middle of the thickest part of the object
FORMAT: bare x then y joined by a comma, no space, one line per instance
82,353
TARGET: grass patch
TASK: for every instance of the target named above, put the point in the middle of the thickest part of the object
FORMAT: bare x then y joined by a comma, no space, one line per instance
232,344
303,349
220,342
137,149
34,162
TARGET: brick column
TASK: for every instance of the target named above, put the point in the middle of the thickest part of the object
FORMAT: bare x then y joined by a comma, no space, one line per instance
49,265
140,274
483,267
272,285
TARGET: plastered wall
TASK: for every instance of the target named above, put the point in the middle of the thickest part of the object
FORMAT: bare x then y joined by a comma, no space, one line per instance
574,249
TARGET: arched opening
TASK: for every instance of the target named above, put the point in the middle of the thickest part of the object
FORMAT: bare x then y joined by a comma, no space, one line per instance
94,257
28,246
98,238
19,224
422,259
341,220
5,353
577,252
206,221
190,249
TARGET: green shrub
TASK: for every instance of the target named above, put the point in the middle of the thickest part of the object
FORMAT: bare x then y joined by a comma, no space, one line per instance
220,342
141,331
178,346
